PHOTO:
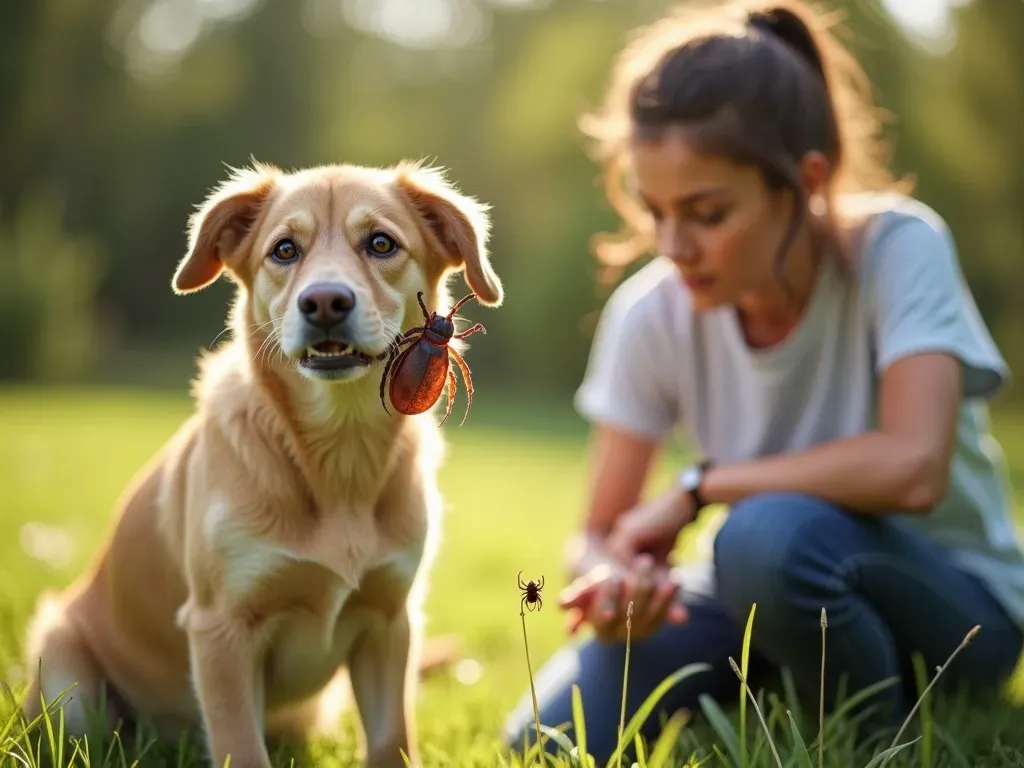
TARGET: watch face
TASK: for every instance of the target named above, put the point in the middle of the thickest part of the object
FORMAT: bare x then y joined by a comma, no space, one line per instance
690,478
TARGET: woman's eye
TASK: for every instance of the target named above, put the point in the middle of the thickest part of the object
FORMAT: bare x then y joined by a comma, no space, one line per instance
285,251
711,218
380,244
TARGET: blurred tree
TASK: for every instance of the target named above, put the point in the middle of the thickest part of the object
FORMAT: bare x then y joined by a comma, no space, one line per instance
966,110
129,110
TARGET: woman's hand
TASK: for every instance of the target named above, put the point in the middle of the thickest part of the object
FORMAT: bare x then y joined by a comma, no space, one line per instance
651,527
602,595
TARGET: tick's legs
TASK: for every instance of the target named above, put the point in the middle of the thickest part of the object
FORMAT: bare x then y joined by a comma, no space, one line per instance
459,303
384,377
521,585
451,394
541,584
419,298
468,331
468,379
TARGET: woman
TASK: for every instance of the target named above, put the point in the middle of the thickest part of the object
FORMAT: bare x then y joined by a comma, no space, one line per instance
809,326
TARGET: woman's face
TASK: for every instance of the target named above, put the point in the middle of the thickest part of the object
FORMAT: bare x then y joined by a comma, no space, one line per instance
718,221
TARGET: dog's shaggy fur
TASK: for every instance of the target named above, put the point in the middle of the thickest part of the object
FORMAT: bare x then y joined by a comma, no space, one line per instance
284,533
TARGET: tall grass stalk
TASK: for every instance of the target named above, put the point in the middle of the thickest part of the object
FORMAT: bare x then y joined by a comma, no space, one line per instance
938,673
821,694
757,709
533,692
625,678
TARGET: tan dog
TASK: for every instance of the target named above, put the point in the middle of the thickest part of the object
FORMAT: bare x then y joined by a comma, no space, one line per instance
284,532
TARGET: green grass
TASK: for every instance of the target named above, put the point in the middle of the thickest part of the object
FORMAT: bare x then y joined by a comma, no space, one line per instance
514,482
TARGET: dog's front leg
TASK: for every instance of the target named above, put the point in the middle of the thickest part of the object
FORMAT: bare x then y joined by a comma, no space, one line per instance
230,696
382,682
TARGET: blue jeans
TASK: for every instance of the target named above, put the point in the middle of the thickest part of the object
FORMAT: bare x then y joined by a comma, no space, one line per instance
888,590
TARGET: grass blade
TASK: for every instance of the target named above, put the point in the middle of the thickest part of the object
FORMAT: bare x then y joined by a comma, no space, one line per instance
883,757
561,740
839,715
645,709
799,747
718,720
744,662
667,740
641,756
579,725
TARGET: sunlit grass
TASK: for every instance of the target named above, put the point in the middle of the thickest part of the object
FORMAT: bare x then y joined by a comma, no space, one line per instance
514,482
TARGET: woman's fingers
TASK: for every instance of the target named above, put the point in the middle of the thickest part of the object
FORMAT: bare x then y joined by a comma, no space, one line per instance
580,593
608,601
602,597
639,585
597,604
664,606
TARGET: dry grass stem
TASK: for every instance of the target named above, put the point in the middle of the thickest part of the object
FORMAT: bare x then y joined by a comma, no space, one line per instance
757,709
821,694
938,673
625,677
533,692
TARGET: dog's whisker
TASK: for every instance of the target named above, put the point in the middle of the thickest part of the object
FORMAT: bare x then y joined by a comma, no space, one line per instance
272,350
261,326
223,331
269,340
255,328
390,329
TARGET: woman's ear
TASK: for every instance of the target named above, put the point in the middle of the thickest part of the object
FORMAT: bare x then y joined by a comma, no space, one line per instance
458,226
220,226
815,172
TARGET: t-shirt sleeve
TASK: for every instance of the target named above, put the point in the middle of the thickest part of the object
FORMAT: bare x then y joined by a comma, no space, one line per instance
920,302
627,383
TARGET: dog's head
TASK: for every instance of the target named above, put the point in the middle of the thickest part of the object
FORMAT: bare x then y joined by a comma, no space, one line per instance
330,258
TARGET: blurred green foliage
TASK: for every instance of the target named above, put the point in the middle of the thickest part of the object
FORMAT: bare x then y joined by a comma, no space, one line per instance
126,111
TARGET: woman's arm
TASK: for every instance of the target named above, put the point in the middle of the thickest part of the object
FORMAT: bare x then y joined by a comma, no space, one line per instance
903,466
603,585
620,463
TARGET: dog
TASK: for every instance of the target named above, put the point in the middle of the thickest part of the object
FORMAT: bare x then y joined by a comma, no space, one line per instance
284,533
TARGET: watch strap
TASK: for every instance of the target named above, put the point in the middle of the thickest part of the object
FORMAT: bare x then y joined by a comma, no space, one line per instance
699,502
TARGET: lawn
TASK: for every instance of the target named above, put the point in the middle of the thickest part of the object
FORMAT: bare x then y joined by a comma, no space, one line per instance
513,480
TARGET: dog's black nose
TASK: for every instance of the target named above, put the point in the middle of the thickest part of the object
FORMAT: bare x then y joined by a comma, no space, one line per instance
325,305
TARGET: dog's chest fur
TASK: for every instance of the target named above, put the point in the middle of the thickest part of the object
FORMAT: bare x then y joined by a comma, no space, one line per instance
309,605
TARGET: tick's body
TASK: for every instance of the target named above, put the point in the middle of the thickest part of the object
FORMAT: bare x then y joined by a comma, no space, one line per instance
420,372
531,592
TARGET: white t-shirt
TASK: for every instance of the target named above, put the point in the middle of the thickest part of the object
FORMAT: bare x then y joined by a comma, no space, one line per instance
657,365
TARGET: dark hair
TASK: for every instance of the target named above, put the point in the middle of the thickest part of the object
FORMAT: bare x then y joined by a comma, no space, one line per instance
759,85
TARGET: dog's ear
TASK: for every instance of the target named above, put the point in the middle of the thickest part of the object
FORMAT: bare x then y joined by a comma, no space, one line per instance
220,226
458,227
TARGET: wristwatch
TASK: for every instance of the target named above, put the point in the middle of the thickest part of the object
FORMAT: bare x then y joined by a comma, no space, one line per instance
690,480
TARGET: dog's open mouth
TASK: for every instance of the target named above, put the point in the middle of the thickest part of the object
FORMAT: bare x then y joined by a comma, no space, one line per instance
334,356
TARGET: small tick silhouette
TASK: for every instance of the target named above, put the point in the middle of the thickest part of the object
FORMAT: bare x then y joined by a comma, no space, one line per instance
531,592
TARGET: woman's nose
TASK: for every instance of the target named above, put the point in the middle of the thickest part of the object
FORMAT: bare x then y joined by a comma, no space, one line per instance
674,244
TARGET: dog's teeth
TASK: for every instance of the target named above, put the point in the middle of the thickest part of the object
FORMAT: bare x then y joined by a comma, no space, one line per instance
314,352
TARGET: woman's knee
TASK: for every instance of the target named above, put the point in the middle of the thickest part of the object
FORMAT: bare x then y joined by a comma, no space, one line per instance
764,539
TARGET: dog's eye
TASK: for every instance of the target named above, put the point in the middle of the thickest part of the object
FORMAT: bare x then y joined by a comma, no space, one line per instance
380,244
285,251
